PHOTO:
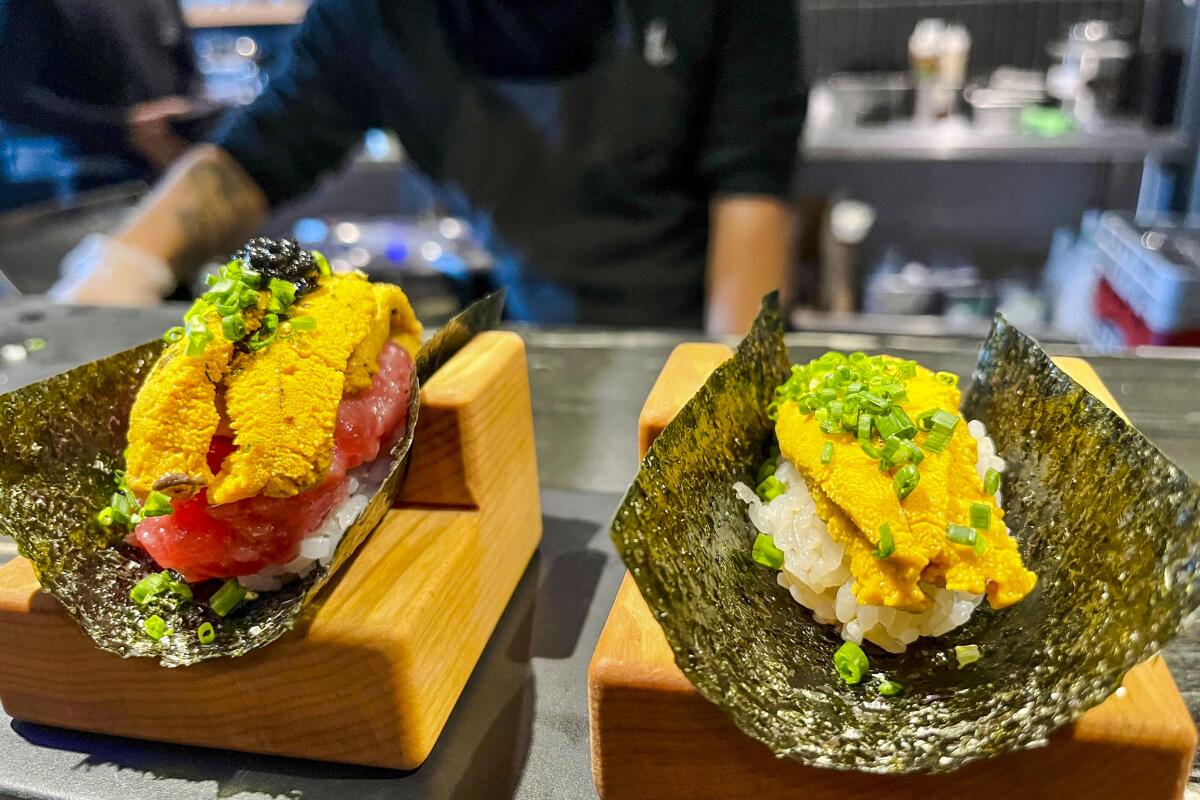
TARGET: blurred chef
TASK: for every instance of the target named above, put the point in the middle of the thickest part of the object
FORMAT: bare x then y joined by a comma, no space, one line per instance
105,76
629,163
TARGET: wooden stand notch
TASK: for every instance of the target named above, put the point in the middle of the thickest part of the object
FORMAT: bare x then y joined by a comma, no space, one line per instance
653,735
374,669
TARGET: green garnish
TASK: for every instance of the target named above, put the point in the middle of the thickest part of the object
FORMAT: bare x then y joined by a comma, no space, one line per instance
206,633
149,587
173,335
322,264
851,663
967,654
227,598
948,378
905,480
981,516
766,553
991,481
35,344
105,517
157,504
889,688
180,590
770,488
155,627
233,327
944,421
303,323
283,294
827,453
961,534
887,543
766,470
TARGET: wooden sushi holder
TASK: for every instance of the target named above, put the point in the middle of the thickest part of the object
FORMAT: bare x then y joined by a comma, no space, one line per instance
654,736
371,675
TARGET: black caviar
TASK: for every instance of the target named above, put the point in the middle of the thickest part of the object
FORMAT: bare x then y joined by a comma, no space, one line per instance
280,258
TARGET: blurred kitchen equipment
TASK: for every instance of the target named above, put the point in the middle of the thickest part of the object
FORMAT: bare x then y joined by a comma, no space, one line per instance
853,99
1153,268
848,224
996,106
924,54
1091,76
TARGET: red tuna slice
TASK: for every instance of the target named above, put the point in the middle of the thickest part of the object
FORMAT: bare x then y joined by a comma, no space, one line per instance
201,541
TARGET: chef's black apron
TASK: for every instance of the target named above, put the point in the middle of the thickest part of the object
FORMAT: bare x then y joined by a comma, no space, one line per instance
583,186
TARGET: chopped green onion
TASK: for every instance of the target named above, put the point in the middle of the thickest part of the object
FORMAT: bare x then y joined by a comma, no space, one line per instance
925,419
865,421
283,291
991,481
981,516
948,378
875,404
908,369
105,517
148,588
889,688
906,428
233,326
967,654
887,543
770,488
180,590
197,341
915,454
851,663
322,264
830,426
827,453
157,504
303,323
227,598
871,450
173,335
887,425
35,344
766,470
251,278
980,547
936,442
944,421
766,553
961,534
206,633
155,627
905,480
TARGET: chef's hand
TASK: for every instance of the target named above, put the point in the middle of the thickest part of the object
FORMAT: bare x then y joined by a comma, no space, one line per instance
103,271
150,131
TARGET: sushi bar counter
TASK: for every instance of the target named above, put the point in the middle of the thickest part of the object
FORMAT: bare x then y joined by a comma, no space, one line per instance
520,727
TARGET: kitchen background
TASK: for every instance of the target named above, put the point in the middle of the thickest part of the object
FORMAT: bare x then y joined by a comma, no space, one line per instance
1035,156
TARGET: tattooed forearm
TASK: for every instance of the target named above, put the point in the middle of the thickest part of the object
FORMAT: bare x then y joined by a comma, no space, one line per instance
202,210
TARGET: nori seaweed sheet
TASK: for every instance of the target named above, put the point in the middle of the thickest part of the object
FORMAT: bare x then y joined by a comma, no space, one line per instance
60,442
1110,525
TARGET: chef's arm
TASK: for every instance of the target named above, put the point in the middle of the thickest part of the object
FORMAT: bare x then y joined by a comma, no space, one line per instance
749,251
204,208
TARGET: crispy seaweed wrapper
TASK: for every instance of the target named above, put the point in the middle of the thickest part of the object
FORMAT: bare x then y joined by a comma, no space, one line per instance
61,440
1109,524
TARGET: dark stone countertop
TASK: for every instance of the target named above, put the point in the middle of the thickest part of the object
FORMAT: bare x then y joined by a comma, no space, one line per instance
520,728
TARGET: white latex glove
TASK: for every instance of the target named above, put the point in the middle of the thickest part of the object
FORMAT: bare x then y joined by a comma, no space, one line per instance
102,271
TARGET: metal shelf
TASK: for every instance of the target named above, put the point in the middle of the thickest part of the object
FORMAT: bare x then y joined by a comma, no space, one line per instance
1122,144
246,16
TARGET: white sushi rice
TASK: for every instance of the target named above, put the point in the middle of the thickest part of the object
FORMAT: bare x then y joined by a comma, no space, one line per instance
816,569
316,548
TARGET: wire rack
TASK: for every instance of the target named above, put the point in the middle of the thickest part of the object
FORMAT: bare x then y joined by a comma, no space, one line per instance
865,35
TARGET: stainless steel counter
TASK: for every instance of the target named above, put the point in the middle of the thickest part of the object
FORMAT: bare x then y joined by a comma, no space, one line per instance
520,728
1123,144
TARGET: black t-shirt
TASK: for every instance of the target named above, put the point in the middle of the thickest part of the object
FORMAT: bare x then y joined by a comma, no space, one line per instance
584,143
75,67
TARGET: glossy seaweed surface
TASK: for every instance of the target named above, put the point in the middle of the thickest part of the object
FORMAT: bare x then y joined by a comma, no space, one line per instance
60,442
1110,525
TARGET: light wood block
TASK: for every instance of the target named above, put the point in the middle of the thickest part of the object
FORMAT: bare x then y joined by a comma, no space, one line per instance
373,670
653,735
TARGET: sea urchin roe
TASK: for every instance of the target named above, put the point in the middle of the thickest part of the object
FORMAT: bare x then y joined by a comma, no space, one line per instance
282,402
882,476
174,417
